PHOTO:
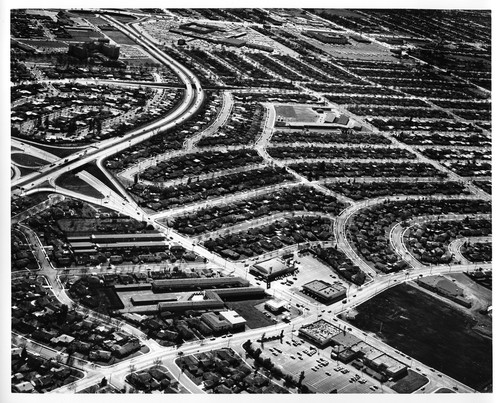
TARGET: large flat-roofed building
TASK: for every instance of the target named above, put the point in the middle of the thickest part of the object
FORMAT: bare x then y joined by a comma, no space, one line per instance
379,361
240,292
198,284
150,299
320,332
132,287
158,246
82,245
111,238
389,366
153,241
324,292
235,319
345,339
215,322
272,268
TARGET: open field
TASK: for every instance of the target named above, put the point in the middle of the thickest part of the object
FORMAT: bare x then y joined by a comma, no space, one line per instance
72,182
410,383
296,113
431,331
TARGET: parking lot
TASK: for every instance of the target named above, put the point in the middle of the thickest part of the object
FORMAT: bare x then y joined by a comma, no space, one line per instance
322,373
309,269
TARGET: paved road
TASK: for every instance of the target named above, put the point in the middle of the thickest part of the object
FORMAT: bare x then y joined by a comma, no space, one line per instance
397,233
191,102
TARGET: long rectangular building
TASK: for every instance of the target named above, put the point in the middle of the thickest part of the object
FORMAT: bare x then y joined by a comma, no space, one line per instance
151,245
198,283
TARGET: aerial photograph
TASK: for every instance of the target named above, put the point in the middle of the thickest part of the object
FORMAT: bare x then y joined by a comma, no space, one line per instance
250,201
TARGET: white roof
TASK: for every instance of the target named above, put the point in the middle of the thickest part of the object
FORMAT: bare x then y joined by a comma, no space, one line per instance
233,317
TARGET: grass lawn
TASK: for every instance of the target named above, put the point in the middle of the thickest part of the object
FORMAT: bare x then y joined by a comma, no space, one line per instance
297,113
444,390
59,151
120,38
92,169
28,160
252,315
410,383
71,182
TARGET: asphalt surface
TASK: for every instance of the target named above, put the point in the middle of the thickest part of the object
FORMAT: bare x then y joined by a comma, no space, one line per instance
124,204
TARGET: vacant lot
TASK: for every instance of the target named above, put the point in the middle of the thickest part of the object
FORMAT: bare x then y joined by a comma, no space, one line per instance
410,383
252,315
431,331
120,38
297,113
71,182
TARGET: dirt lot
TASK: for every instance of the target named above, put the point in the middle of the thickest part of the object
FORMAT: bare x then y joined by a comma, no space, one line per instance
296,113
431,331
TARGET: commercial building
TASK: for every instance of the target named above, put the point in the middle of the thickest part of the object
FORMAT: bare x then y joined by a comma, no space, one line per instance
224,321
217,323
379,361
270,269
389,366
320,332
324,292
235,319
275,305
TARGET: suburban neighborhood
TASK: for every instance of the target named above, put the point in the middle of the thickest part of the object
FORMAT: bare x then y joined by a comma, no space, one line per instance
251,201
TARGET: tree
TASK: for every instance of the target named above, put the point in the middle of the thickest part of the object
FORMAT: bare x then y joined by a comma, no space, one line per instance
24,354
246,344
103,382
301,377
62,315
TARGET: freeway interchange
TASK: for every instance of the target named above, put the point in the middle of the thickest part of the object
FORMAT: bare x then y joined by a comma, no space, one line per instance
191,102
